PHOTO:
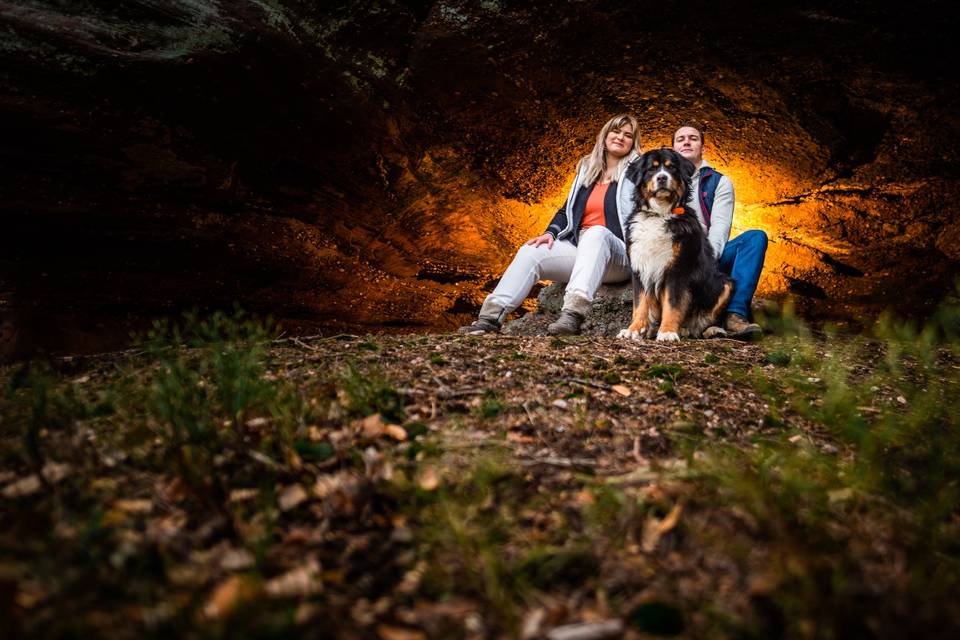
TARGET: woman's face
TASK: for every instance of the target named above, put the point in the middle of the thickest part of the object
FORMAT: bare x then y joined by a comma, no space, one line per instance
619,140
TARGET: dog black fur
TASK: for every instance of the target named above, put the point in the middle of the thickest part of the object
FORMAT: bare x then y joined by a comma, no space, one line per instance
677,287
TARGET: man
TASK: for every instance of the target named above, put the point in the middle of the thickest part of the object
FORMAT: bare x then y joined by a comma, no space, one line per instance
741,258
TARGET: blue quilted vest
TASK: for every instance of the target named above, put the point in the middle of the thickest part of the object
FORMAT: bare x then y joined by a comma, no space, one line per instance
709,179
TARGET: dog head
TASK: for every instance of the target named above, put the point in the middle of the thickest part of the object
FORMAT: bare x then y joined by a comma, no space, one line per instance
662,177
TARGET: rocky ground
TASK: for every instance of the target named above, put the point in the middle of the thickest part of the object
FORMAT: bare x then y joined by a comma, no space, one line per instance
501,486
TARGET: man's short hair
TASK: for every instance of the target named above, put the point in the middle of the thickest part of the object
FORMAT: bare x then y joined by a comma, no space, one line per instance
693,124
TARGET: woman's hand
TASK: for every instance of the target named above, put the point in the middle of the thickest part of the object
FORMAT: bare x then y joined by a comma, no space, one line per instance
546,239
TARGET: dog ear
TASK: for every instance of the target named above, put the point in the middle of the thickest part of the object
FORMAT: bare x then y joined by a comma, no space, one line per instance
687,167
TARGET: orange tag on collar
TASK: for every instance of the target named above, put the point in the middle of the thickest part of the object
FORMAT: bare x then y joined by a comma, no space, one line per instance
677,210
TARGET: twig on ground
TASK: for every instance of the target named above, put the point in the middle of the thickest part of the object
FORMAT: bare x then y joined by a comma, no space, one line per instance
303,344
588,383
561,462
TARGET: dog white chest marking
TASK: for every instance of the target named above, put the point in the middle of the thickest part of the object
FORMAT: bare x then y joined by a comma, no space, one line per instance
651,250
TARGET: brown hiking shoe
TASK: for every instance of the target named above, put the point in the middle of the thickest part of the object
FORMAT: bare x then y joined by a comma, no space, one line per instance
568,324
479,327
739,327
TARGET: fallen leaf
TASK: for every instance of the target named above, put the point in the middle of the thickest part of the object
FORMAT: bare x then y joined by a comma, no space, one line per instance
796,438
370,427
227,596
533,623
584,497
655,528
622,390
23,487
396,432
300,582
133,506
390,632
55,472
236,560
429,479
291,497
411,579
838,495
240,495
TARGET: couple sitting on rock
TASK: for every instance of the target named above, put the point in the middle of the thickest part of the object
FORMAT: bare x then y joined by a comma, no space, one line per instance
584,246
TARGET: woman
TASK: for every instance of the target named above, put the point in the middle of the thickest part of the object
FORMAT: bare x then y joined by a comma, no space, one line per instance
583,244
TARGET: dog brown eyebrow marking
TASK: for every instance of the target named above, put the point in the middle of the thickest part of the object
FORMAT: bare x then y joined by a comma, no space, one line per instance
667,163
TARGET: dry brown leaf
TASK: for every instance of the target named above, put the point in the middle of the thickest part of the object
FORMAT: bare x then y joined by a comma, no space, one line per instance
622,390
839,495
390,632
292,497
55,472
396,432
236,560
240,495
297,583
584,497
533,623
162,530
133,506
23,487
370,427
411,579
175,490
655,528
429,480
227,596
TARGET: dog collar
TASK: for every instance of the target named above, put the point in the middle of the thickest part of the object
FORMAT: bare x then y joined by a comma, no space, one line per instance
677,210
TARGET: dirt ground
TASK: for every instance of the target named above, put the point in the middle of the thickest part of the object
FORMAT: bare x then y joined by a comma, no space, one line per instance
447,486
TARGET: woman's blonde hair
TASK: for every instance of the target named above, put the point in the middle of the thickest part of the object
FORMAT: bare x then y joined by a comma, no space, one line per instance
596,162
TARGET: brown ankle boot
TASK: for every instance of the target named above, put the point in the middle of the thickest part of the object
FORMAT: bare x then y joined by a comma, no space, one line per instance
739,327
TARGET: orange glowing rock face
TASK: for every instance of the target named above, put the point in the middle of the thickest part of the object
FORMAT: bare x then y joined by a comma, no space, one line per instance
775,197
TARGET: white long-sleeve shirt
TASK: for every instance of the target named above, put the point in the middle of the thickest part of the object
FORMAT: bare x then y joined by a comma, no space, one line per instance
721,214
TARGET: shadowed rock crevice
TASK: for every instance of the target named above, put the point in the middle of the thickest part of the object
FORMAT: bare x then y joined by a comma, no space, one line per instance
377,164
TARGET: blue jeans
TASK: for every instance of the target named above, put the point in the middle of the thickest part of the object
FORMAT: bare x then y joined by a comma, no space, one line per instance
742,260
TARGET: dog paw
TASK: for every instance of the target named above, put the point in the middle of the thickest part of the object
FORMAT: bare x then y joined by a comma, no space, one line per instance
627,334
714,332
667,336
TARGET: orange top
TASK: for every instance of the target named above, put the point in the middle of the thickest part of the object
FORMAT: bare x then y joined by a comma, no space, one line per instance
593,214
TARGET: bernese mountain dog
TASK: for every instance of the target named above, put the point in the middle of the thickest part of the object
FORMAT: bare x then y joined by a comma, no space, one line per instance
677,288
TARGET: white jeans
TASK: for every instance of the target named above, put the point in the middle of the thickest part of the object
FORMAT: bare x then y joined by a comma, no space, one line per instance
598,257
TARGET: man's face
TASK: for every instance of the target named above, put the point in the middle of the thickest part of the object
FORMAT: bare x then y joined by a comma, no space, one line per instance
687,142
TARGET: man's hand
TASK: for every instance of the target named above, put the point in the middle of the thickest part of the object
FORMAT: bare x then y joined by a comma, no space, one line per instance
546,239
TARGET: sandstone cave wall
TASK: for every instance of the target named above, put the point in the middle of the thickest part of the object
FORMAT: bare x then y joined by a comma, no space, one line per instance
375,164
